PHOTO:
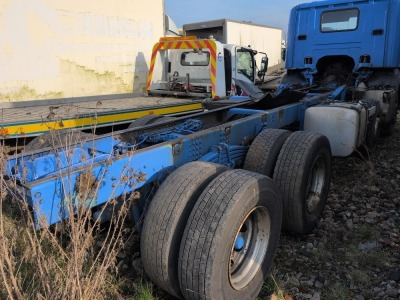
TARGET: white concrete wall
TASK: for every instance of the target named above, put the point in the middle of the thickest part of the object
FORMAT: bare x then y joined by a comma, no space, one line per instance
60,49
260,38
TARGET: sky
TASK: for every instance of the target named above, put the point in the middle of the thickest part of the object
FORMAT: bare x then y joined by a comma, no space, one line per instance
273,13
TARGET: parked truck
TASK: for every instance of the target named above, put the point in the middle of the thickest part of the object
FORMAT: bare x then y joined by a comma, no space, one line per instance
227,179
79,65
349,43
183,72
264,39
192,67
69,69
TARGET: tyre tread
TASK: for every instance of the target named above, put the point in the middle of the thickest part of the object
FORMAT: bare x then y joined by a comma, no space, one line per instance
166,211
204,228
288,171
263,153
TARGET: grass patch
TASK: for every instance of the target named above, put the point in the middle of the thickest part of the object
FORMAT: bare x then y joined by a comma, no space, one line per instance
53,263
367,232
360,277
144,291
274,288
337,291
369,258
75,259
372,258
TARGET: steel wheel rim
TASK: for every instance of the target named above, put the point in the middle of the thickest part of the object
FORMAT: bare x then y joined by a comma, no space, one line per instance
244,263
316,183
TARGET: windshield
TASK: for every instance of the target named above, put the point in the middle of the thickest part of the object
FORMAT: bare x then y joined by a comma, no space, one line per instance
245,63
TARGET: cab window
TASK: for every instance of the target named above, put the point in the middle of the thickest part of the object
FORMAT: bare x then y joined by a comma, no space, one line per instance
339,20
198,58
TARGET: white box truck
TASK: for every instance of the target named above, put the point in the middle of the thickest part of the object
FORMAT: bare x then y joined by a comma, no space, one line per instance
259,37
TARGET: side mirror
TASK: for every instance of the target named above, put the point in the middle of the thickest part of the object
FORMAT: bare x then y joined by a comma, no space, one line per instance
264,64
283,55
263,68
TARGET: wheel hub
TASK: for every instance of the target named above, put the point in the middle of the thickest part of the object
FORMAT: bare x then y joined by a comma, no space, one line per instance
315,184
249,247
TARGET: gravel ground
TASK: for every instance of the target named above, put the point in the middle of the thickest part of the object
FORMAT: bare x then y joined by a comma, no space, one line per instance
354,252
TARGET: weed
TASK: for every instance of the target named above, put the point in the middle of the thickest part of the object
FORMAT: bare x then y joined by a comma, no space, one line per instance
144,291
360,277
63,261
373,258
337,291
321,254
367,232
272,286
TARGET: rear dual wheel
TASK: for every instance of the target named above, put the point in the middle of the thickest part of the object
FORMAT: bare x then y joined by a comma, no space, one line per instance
240,214
263,153
303,172
166,219
300,163
229,233
231,237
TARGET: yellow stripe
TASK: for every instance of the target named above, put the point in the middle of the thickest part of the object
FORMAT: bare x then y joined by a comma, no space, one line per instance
203,44
152,62
178,38
185,44
40,126
193,44
213,61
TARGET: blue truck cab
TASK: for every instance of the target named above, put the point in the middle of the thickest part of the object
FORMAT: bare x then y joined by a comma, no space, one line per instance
364,34
353,43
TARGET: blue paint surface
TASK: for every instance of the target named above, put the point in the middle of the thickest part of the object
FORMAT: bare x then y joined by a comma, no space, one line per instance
377,34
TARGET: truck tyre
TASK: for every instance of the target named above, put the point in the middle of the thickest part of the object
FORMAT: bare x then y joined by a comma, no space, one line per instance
303,172
263,153
58,138
231,237
149,119
166,219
